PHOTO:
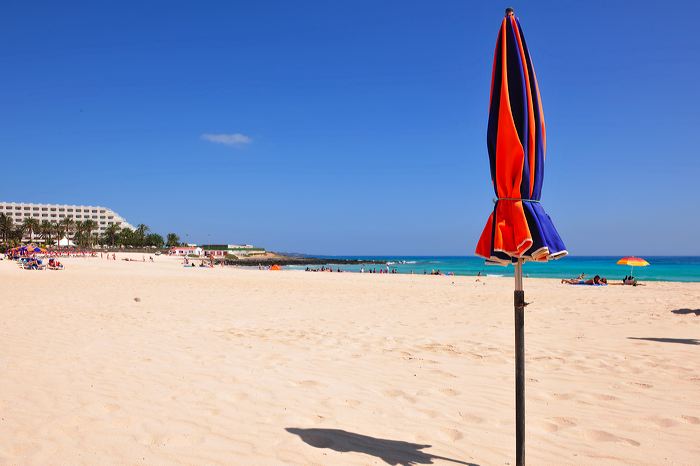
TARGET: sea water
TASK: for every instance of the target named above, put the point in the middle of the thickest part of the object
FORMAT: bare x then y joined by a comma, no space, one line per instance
662,268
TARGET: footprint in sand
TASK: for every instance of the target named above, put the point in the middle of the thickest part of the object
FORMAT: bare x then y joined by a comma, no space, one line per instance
112,407
663,421
641,385
443,373
240,396
449,392
562,396
564,422
471,418
353,403
603,436
394,393
548,426
604,397
431,413
452,434
308,383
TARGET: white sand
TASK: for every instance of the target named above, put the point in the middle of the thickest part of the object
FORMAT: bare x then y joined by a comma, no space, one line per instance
231,366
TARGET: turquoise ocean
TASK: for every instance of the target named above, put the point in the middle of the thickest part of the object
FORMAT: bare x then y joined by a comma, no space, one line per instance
662,268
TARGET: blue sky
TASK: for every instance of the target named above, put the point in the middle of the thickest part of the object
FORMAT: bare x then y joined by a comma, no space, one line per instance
349,127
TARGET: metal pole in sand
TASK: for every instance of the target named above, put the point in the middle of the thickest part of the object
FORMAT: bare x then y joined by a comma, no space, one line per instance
519,304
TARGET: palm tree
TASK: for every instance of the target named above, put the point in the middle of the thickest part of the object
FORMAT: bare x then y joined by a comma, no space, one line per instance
68,226
154,239
79,233
32,226
6,226
46,228
127,237
18,233
173,240
88,227
58,231
111,233
141,231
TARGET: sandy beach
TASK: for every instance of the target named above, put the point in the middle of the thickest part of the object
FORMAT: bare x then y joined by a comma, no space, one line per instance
152,363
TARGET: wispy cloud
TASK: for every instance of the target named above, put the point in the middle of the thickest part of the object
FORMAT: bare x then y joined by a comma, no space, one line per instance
234,139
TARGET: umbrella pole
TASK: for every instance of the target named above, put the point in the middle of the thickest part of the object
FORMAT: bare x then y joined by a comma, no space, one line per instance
519,304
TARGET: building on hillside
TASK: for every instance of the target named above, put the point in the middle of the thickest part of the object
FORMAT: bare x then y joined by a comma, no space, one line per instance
183,251
221,250
102,216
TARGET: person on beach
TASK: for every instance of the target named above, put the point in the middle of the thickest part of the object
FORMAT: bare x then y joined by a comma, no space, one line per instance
597,280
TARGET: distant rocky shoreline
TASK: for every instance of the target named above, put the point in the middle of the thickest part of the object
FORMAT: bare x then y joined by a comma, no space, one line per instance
278,259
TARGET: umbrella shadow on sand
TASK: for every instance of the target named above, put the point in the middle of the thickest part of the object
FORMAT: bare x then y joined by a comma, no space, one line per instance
687,311
683,341
393,452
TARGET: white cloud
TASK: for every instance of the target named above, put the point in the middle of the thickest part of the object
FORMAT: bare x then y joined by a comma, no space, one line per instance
235,139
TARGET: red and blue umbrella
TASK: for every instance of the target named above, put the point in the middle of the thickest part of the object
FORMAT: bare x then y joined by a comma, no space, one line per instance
518,227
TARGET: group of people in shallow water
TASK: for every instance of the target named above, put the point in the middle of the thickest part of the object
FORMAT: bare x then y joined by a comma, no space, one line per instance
362,270
381,270
324,269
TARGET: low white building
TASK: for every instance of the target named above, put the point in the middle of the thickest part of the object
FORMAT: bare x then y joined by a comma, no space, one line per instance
222,250
182,251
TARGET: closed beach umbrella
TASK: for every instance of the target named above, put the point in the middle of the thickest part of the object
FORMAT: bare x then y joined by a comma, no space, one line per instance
633,262
518,229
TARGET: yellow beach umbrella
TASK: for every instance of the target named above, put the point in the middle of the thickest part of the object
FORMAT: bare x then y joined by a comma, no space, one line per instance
633,262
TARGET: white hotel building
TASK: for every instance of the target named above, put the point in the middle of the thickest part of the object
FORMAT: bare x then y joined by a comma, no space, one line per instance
103,216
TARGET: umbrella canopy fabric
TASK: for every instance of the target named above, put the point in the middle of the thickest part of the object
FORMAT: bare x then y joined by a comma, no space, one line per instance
518,227
633,261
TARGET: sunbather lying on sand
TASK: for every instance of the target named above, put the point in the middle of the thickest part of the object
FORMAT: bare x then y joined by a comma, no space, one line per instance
597,280
55,265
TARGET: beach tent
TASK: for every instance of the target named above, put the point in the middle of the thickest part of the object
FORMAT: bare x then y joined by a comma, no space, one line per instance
518,229
275,267
65,242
